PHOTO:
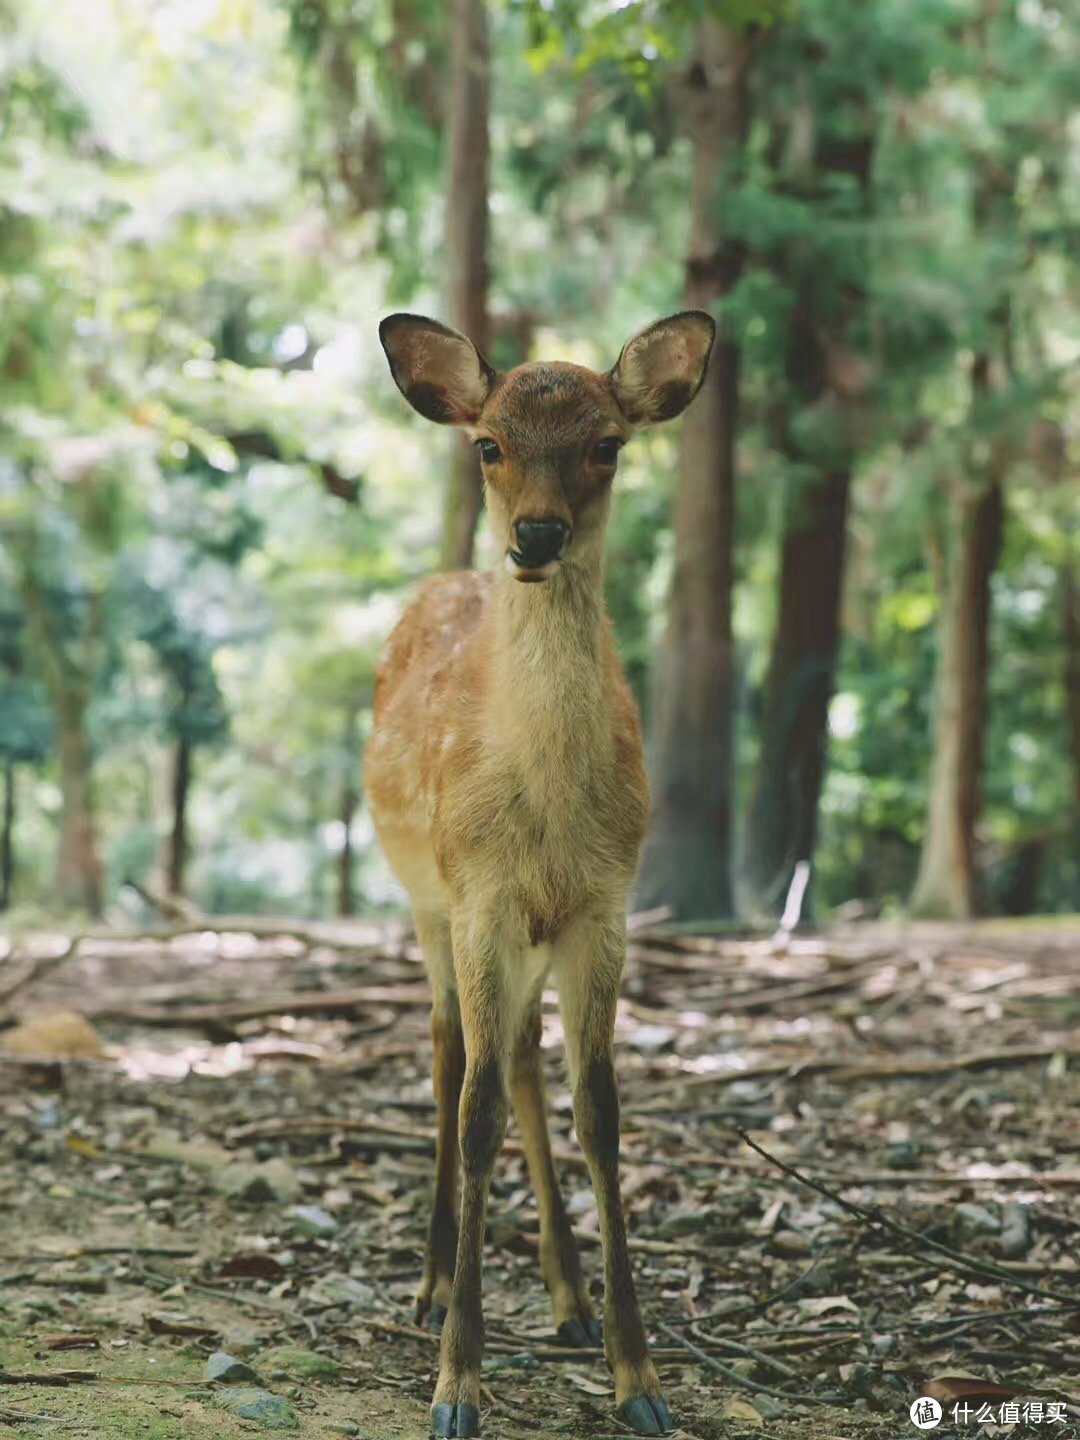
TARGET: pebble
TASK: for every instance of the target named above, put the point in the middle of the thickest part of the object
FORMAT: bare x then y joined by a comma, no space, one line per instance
269,1411
313,1220
274,1180
343,1290
971,1220
223,1368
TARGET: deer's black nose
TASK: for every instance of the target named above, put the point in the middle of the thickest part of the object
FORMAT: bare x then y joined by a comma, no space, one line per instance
539,542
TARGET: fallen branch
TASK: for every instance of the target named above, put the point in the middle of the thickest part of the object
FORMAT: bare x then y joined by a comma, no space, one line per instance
953,1259
843,1071
217,1015
57,1378
742,1381
39,968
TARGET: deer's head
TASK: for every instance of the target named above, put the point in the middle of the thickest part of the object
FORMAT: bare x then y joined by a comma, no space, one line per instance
549,435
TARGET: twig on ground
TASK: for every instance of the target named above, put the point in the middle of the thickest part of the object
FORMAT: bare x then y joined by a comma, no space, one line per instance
39,968
318,1002
733,1375
911,1238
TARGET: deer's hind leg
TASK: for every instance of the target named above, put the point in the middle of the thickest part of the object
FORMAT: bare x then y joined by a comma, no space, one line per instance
559,1262
448,1073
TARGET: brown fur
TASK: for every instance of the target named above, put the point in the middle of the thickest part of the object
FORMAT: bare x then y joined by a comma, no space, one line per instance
507,784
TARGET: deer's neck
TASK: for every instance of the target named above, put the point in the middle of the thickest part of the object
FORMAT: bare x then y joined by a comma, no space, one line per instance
547,701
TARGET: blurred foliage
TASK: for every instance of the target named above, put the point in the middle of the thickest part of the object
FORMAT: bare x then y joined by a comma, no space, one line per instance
204,210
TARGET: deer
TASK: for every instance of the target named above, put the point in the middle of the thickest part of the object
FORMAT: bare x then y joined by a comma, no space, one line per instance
506,781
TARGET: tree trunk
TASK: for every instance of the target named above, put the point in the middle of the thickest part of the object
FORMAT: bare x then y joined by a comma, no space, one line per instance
79,873
177,857
687,863
7,836
466,247
824,374
782,820
1070,600
349,799
945,884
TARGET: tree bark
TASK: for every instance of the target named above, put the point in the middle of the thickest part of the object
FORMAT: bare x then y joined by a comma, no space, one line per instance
349,800
79,872
821,370
467,247
1070,600
945,883
7,836
177,856
782,821
688,862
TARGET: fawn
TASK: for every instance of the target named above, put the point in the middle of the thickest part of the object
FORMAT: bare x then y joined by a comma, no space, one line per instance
507,785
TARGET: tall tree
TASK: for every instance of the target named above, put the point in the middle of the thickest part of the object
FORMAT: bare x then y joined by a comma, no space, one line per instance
687,863
825,140
469,158
945,882
26,731
66,631
194,715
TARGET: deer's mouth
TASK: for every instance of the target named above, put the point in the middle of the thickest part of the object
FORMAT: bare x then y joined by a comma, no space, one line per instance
520,569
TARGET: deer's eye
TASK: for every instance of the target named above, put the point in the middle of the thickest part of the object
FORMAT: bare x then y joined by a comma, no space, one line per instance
489,451
606,452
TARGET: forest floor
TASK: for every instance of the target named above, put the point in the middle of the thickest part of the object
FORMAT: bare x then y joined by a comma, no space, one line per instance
851,1168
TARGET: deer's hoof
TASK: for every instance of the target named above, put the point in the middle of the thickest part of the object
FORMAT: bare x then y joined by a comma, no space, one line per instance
434,1318
459,1419
581,1334
646,1415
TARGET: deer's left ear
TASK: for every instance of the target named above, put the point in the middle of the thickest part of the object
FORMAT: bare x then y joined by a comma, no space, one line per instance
660,371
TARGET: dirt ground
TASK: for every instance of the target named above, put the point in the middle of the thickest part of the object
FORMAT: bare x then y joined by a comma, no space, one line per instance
851,1167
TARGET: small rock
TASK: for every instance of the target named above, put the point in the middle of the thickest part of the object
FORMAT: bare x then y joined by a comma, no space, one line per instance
685,1222
274,1180
650,1039
162,1187
971,1220
342,1290
789,1242
1014,1242
223,1368
313,1220
48,1115
902,1155
347,1427
269,1411
165,1144
305,1364
241,1337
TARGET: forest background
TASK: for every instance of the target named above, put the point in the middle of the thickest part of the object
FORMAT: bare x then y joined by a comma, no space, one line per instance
846,587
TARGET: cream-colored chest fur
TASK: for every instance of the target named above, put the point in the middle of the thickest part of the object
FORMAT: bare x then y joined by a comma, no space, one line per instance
545,813
506,768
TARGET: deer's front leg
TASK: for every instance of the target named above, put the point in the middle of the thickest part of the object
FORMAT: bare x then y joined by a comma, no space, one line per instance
589,962
455,1409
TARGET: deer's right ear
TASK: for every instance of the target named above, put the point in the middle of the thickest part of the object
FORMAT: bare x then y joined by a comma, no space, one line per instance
441,373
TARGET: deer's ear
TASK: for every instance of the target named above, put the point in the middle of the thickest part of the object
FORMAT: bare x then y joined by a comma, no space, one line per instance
440,373
660,370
